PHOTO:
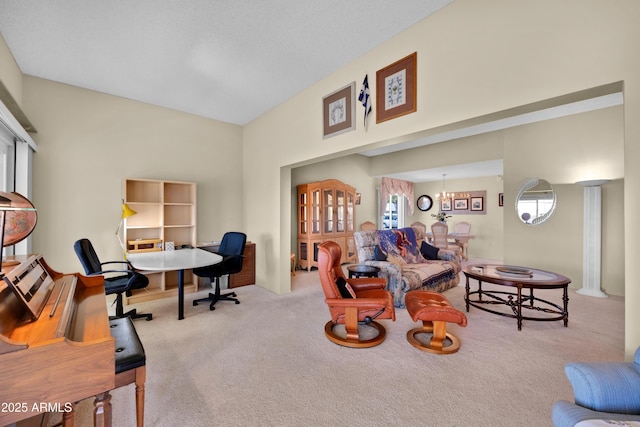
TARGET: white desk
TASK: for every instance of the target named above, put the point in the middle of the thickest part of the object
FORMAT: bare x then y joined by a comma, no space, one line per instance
180,260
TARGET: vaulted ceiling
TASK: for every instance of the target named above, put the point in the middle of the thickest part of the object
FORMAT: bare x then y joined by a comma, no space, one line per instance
226,60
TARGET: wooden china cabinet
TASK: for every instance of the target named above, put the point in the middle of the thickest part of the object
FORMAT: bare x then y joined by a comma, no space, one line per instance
326,211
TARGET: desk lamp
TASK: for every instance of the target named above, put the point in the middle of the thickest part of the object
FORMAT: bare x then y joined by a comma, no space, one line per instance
126,213
18,218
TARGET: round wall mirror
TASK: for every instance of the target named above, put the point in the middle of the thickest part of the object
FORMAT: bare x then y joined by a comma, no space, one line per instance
424,202
535,201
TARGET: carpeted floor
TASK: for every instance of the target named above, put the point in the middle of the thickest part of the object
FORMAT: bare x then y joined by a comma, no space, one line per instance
266,362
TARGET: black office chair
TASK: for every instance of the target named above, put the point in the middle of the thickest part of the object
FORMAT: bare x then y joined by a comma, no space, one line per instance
232,250
120,284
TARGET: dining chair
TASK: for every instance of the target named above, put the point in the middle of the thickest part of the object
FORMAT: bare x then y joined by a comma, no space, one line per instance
420,225
463,227
368,226
440,233
421,232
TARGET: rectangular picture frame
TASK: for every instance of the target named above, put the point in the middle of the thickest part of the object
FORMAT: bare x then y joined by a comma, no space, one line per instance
396,89
445,205
477,203
461,204
338,111
500,199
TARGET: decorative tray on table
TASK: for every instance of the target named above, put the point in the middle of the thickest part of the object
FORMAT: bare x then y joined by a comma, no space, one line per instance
514,270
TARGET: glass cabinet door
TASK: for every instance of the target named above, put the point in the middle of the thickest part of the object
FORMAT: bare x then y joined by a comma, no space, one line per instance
340,211
315,212
351,209
302,215
328,206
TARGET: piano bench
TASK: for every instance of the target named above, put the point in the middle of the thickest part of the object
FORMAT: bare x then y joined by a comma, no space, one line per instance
130,361
129,350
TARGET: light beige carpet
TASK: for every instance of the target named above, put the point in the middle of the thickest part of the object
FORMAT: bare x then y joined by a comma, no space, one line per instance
266,362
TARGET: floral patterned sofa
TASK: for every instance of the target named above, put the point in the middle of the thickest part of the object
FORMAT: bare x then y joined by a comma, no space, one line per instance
405,268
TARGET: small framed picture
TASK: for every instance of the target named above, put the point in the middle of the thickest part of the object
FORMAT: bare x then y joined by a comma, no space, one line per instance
445,205
477,203
500,199
461,204
396,87
338,111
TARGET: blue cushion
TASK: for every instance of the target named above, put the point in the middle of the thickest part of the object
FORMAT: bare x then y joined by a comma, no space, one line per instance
607,387
568,414
428,251
378,254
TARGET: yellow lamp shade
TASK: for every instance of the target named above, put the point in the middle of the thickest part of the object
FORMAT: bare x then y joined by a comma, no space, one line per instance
127,211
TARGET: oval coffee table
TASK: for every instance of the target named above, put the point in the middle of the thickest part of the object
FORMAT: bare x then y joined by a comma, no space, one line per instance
519,278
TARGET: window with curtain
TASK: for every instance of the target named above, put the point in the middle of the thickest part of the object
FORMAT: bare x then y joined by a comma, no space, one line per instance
395,196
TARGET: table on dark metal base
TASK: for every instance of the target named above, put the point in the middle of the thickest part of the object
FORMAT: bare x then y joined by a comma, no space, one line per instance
362,270
519,278
178,260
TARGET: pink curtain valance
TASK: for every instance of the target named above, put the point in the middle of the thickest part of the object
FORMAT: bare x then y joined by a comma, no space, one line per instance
390,186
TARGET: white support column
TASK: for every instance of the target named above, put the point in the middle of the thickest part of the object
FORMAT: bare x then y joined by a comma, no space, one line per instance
592,242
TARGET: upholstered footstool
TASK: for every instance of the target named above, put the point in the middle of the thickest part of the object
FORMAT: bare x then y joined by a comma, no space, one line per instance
435,311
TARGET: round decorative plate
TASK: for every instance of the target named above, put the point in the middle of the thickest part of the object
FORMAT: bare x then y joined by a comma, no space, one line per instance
18,224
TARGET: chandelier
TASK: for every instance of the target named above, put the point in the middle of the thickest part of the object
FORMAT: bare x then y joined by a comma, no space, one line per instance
444,196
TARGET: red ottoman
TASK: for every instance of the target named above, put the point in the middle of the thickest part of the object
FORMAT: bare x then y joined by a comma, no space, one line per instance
435,311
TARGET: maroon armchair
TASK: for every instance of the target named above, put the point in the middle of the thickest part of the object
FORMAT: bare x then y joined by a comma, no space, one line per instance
352,301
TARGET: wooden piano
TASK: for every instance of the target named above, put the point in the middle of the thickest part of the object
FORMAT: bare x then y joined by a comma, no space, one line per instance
55,345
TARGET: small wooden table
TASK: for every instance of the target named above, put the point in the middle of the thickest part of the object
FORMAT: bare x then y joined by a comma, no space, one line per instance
519,278
362,270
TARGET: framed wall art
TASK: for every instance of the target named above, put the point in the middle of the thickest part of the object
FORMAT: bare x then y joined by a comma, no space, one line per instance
461,204
338,111
477,203
396,87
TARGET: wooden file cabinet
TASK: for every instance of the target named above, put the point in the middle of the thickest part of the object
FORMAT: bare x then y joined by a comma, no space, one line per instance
247,276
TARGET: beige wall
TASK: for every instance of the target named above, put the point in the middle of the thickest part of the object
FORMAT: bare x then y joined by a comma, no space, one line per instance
562,150
486,228
89,142
474,58
10,74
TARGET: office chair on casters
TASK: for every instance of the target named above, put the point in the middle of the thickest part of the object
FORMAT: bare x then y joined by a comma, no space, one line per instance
120,284
232,250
